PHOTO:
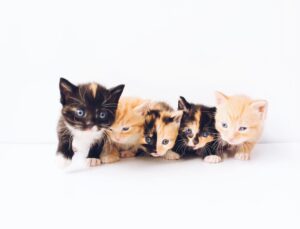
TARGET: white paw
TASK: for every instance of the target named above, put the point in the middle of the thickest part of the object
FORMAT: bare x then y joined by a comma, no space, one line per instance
242,156
213,159
62,162
92,162
172,156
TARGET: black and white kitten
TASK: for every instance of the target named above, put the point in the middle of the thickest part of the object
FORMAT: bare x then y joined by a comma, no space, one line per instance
88,110
197,133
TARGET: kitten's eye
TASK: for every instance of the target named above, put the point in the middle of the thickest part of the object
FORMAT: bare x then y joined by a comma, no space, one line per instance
103,115
205,134
224,125
80,113
188,131
148,140
243,128
165,142
125,128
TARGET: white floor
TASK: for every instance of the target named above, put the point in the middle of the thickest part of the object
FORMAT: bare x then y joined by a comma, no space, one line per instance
150,193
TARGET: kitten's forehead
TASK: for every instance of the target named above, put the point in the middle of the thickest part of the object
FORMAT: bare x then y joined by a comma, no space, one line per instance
191,118
92,94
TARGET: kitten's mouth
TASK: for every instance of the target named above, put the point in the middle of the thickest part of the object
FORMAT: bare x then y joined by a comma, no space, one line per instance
91,128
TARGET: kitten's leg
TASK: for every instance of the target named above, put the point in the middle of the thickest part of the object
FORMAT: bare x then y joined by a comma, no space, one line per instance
93,158
171,155
64,152
212,156
110,154
243,152
128,153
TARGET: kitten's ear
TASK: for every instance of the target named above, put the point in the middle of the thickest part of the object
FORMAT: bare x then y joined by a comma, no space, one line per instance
143,109
183,104
66,88
176,116
260,106
220,98
115,93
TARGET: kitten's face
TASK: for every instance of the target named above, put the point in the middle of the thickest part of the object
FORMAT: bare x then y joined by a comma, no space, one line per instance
89,106
128,127
197,124
127,132
239,119
161,130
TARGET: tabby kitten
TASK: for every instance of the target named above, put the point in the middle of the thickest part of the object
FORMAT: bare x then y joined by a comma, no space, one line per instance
88,110
197,133
127,130
160,131
240,121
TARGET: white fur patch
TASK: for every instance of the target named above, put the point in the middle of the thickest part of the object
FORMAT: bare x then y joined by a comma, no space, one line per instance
92,162
213,159
83,140
61,161
242,156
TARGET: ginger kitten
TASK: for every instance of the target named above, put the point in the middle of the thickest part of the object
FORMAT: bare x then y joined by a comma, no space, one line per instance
88,111
127,130
240,122
160,131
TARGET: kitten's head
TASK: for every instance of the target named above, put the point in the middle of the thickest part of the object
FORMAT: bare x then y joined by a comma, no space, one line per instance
129,123
88,106
161,130
239,119
197,124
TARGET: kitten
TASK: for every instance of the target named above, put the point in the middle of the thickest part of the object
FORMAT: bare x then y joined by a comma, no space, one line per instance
127,129
240,120
160,131
88,110
197,133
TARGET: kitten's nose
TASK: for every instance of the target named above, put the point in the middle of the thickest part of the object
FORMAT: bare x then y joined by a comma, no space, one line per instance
196,141
190,135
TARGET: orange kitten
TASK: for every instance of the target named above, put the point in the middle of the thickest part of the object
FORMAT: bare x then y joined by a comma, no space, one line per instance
127,129
239,121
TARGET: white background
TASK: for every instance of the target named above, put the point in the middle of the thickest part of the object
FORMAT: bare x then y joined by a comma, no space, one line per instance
160,49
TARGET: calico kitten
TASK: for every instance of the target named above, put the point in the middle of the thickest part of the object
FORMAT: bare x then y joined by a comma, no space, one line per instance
240,120
127,130
88,110
197,133
160,131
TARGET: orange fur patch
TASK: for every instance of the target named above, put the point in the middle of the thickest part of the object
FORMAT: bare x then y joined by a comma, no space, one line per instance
236,112
93,88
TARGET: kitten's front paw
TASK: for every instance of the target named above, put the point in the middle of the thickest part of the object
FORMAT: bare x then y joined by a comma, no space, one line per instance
93,162
242,156
62,162
127,154
172,156
213,159
110,158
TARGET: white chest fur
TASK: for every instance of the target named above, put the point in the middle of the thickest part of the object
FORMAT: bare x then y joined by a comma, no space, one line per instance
83,140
